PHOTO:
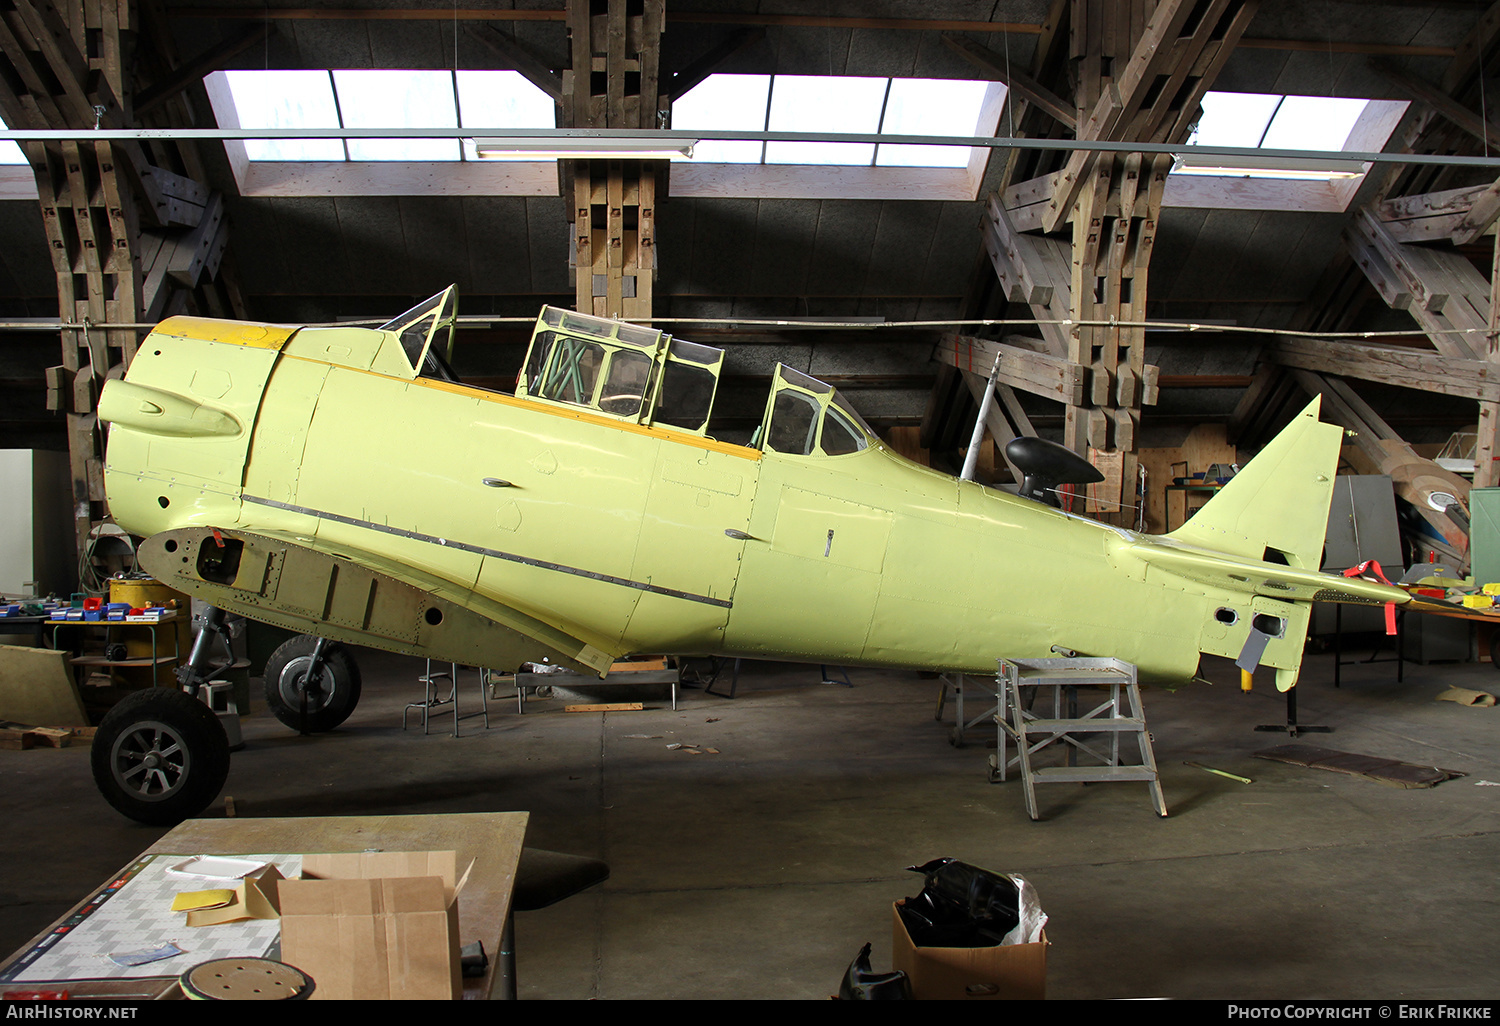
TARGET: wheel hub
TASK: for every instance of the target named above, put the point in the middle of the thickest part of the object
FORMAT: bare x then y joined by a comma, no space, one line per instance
294,684
150,761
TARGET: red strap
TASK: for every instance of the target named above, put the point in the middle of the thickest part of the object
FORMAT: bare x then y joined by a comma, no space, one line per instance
1371,566
1368,566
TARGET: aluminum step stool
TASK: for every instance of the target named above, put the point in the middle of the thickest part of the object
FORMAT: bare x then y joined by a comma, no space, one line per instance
1030,733
433,699
988,690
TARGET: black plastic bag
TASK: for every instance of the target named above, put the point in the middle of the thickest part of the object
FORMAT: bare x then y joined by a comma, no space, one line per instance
961,906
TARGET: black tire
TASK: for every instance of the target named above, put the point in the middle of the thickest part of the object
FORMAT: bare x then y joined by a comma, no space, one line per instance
160,756
329,703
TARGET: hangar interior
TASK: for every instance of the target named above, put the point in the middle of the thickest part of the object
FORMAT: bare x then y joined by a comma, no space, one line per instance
1277,201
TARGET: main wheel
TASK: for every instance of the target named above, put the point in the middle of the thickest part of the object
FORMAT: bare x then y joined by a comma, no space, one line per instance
160,756
330,699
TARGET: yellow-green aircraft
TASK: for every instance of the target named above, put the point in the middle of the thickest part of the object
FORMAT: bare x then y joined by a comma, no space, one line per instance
345,484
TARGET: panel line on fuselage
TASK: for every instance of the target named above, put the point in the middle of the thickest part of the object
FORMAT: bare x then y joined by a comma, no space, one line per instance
480,550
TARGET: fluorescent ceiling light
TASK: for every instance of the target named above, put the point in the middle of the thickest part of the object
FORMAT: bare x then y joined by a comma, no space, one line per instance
565,148
1266,167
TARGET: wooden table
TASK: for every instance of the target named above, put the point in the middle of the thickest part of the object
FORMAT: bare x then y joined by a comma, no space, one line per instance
491,839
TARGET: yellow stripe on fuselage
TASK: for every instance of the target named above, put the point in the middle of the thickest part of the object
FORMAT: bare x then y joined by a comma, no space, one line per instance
238,333
583,416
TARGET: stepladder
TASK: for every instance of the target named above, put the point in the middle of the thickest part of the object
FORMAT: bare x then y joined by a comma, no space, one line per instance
962,685
1095,713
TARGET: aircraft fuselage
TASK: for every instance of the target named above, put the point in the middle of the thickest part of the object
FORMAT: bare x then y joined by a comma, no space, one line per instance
629,537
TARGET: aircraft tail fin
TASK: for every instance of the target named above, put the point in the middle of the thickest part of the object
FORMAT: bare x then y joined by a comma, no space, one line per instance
1276,508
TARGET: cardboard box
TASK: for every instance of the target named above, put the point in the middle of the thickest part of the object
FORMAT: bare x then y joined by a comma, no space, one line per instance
1003,972
376,925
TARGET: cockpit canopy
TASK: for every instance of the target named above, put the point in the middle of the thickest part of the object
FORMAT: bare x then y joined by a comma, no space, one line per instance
624,370
805,417
426,334
645,376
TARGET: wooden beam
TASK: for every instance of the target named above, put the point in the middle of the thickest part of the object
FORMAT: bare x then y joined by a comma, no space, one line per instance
1037,373
1121,99
48,37
200,248
1449,298
192,72
1487,449
698,70
1480,218
1319,46
1366,436
1031,270
1455,112
1022,276
996,67
1026,202
612,203
1408,368
171,200
1261,406
520,58
1415,477
1468,56
1460,215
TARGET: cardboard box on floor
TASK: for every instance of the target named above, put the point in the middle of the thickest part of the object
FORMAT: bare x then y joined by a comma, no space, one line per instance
375,925
1002,972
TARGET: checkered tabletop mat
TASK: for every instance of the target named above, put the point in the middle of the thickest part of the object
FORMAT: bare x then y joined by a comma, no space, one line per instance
134,914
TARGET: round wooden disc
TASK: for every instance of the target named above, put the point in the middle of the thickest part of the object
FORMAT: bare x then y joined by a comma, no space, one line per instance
245,979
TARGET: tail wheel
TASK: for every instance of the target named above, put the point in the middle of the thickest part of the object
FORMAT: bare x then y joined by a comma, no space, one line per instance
311,706
160,756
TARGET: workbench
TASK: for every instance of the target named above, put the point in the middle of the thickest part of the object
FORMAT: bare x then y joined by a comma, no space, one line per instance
157,668
492,840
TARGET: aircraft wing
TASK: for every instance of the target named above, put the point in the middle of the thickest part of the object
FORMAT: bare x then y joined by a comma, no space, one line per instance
1251,576
361,598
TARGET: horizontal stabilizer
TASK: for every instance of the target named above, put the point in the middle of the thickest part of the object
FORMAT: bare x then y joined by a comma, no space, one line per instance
1255,577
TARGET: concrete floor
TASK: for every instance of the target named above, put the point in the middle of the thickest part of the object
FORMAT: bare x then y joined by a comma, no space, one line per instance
761,870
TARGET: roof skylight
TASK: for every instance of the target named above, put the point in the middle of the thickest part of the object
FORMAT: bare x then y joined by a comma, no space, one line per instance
730,103
925,106
10,153
501,99
804,103
398,99
831,104
286,99
380,99
1273,122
